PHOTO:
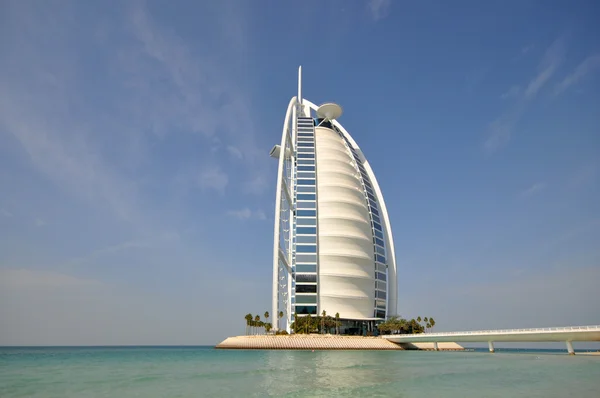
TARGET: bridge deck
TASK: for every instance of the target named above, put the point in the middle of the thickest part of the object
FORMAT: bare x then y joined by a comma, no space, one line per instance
572,333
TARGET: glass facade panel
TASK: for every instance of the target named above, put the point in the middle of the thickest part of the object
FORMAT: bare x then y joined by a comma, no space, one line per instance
306,168
379,234
379,258
306,268
303,149
374,211
306,196
306,249
305,161
306,258
312,278
306,221
380,250
306,174
306,299
306,230
306,239
306,205
377,226
306,309
306,144
306,182
306,156
306,213
306,288
306,189
379,242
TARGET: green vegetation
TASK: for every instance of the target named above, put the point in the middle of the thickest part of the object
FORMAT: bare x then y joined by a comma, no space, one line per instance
398,325
318,324
254,324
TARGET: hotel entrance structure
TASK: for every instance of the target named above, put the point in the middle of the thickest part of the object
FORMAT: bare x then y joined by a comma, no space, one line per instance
333,248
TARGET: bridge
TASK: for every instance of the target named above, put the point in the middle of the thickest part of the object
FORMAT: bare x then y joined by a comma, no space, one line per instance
566,334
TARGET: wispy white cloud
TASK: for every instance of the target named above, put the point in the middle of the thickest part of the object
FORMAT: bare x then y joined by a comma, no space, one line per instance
500,131
256,186
512,92
213,178
379,9
586,67
246,213
533,189
552,59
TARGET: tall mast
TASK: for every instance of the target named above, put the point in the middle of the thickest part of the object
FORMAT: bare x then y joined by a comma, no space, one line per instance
301,113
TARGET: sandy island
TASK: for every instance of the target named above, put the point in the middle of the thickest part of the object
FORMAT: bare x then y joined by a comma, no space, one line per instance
324,342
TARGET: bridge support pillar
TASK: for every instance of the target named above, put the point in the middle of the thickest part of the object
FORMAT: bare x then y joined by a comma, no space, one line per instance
491,346
435,346
570,349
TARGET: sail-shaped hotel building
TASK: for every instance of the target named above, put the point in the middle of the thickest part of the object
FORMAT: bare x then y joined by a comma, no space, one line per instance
333,249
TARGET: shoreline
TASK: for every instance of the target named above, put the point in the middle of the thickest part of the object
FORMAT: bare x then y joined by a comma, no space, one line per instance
325,342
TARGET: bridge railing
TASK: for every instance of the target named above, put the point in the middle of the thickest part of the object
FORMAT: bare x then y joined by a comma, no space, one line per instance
501,331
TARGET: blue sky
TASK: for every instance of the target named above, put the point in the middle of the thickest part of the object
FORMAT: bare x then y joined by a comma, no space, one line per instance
137,194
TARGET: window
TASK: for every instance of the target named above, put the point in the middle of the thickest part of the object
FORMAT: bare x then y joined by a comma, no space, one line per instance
376,219
312,299
378,293
306,205
306,189
306,268
379,258
374,211
377,226
380,250
307,144
306,168
306,230
306,288
373,204
380,314
306,249
306,139
306,278
367,183
306,174
371,196
369,190
306,309
303,149
306,196
305,133
307,213
305,161
306,156
379,234
306,239
306,182
306,258
306,221
379,242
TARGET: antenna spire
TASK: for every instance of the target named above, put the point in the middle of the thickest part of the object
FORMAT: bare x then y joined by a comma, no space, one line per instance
300,86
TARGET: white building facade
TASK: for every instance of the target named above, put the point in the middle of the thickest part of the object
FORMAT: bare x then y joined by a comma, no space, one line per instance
333,249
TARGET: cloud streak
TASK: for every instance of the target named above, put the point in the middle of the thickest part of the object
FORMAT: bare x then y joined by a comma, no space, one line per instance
532,190
586,67
379,9
500,131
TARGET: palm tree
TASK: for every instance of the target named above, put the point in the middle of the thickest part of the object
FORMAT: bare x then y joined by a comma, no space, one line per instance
308,323
256,321
268,327
426,323
419,319
280,315
323,322
248,319
337,323
267,316
432,322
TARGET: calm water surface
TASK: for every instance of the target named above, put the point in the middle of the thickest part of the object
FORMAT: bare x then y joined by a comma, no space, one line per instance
205,372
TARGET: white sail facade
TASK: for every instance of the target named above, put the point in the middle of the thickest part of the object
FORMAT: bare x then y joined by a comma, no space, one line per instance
333,249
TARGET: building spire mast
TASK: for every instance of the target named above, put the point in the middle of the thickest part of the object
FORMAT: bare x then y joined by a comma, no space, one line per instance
300,91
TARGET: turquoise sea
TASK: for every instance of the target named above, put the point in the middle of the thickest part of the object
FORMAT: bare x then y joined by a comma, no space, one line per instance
124,372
